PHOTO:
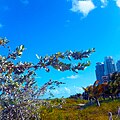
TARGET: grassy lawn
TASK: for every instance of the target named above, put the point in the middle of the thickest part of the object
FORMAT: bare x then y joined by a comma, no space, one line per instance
71,111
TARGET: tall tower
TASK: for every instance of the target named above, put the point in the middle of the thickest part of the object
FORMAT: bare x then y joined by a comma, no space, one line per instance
118,65
109,65
99,71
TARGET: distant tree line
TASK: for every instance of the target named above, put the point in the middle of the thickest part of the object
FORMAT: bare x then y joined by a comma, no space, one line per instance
76,96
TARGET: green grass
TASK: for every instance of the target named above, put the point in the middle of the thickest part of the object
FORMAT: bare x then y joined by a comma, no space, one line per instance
71,111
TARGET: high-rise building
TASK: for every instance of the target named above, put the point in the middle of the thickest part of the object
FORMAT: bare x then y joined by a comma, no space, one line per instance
109,65
118,65
99,71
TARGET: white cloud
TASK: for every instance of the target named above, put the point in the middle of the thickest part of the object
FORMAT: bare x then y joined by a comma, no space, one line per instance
78,89
67,90
73,77
72,90
55,92
83,7
62,91
118,3
104,3
26,2
63,78
38,77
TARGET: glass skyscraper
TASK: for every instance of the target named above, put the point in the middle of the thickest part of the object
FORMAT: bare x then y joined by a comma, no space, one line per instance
103,70
109,65
99,71
118,65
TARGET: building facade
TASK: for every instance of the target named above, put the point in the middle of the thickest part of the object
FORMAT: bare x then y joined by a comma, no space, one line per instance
99,71
109,65
118,65
103,70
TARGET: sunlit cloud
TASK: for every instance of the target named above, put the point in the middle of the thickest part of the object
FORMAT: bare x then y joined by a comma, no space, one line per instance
78,89
67,90
63,78
71,90
55,92
84,7
104,3
118,3
38,77
62,91
73,77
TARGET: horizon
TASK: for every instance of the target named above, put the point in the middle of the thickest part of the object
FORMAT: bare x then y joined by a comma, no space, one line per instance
47,27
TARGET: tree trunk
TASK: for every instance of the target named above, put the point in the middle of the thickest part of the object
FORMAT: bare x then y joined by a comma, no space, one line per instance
98,103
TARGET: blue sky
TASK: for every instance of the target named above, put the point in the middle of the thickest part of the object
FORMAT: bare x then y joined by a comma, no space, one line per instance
46,27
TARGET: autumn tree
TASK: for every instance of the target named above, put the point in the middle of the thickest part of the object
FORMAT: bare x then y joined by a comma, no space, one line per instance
108,89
